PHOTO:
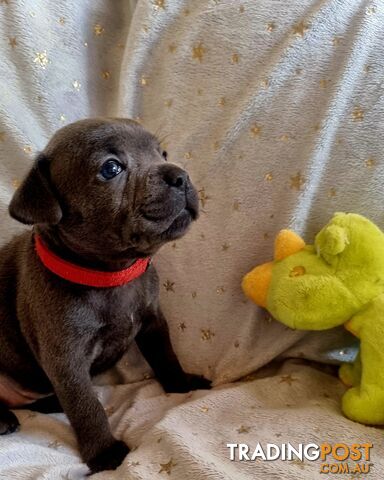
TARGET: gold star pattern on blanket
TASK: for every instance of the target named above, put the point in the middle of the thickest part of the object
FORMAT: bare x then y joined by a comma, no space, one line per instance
297,181
288,379
220,290
371,10
336,41
168,103
271,26
324,82
172,48
198,52
98,30
206,334
357,114
332,192
144,81
243,429
105,74
222,102
255,130
203,197
181,326
194,295
2,136
167,467
159,4
300,29
15,183
62,20
236,205
62,118
268,177
188,155
41,59
169,286
12,41
370,162
27,149
225,247
235,58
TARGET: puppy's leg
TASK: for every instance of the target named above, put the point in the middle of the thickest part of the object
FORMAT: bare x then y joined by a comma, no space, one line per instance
73,387
8,420
154,343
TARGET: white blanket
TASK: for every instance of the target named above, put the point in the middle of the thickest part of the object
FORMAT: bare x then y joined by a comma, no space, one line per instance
276,110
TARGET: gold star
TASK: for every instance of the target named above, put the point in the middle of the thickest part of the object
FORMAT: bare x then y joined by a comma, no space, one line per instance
266,235
236,344
2,136
370,10
194,294
145,28
12,41
297,181
243,429
203,197
288,379
204,409
255,130
198,52
41,59
206,334
236,205
172,48
367,69
300,29
216,145
332,192
264,83
159,4
27,149
98,30
168,285
76,85
284,137
224,247
297,271
268,177
324,83
186,12
109,409
62,20
241,9
271,26
357,114
220,290
188,155
298,71
199,91
15,183
235,58
182,326
62,117
337,41
144,81
316,127
105,74
167,467
222,102
370,162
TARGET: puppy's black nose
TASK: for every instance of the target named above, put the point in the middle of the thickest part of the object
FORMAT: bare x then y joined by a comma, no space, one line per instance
174,176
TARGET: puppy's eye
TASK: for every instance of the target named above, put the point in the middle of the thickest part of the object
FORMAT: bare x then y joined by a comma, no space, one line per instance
111,168
165,155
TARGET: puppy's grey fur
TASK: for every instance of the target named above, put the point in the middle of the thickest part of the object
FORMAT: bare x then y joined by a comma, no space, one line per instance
54,334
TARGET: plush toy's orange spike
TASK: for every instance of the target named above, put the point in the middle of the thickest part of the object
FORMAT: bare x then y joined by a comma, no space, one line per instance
256,283
287,243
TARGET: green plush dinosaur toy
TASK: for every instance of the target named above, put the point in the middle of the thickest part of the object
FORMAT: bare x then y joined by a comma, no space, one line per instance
338,280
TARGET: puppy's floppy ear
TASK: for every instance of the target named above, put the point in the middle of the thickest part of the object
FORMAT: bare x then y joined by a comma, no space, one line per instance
35,201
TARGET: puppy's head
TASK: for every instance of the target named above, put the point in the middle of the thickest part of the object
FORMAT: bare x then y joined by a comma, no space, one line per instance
105,187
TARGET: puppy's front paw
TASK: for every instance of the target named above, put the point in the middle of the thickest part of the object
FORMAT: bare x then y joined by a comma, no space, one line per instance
187,383
109,458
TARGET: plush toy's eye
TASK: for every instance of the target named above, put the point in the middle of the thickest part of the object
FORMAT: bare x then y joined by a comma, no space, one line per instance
110,169
165,155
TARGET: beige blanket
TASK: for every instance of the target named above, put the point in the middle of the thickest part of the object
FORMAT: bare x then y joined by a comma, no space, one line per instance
276,110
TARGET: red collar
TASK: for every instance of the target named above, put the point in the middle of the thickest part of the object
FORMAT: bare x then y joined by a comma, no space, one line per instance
85,276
